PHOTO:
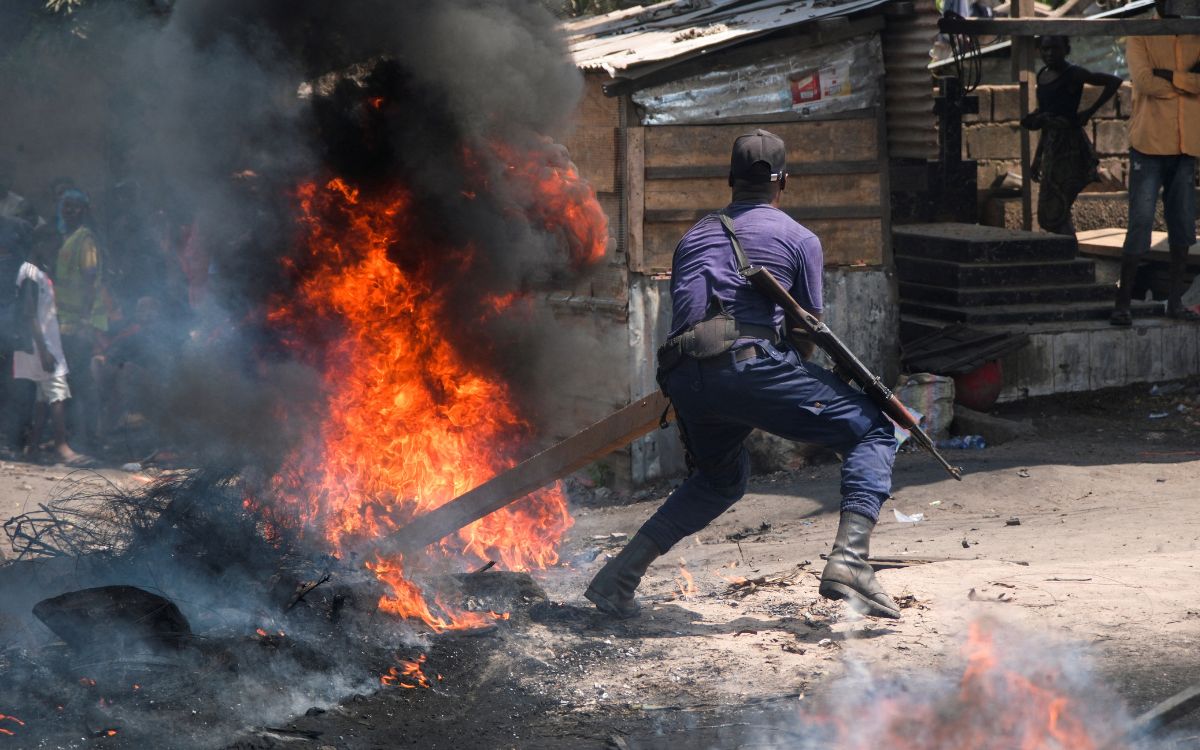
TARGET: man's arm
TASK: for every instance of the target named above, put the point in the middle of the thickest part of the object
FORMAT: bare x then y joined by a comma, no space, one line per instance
1110,83
29,301
1145,81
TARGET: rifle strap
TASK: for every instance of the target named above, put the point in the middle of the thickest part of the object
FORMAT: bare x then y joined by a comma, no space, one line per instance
742,260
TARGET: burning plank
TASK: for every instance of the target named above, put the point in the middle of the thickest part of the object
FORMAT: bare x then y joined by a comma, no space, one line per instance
572,454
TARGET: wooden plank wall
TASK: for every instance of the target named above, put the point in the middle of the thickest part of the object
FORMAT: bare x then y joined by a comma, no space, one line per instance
594,146
835,187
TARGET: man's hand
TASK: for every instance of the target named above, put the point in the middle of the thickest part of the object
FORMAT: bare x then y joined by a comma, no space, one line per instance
1082,118
1033,121
1166,75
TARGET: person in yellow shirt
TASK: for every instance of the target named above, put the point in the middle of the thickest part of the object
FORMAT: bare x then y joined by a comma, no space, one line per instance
1164,141
82,313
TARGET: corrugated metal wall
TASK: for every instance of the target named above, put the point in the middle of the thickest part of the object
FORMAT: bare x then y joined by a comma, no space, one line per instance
912,128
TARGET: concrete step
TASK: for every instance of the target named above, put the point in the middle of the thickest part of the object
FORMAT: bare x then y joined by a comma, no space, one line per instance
955,275
1022,314
972,243
1005,295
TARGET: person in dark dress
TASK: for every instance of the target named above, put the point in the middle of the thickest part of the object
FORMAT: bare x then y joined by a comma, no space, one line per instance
1065,162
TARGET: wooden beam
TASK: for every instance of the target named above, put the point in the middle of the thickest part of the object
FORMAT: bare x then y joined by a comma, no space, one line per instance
614,431
1176,707
1070,26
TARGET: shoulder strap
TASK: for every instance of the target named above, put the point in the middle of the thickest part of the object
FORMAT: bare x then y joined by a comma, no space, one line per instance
742,260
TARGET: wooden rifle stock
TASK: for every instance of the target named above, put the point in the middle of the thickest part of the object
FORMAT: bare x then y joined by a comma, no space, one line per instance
849,365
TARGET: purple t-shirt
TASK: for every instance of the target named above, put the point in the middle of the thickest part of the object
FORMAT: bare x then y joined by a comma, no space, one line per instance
705,267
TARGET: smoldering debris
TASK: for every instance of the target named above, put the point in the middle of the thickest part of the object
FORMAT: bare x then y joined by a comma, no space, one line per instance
226,614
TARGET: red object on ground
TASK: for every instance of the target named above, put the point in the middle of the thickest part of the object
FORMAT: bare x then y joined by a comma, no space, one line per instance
979,388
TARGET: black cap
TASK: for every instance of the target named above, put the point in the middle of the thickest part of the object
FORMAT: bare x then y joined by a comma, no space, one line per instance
753,148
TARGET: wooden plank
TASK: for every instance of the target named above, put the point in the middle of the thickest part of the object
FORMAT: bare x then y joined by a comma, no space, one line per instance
799,213
635,195
801,192
594,150
1069,26
822,141
614,431
721,171
1176,707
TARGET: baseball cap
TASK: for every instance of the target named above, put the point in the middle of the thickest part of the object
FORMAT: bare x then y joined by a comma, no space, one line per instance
752,148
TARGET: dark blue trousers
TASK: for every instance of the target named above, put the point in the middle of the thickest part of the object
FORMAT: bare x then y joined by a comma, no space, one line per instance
719,401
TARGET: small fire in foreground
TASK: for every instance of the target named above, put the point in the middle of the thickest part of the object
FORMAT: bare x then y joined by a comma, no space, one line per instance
412,423
1011,696
11,720
408,670
687,586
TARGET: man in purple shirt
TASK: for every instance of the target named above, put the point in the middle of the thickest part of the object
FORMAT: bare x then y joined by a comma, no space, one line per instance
727,371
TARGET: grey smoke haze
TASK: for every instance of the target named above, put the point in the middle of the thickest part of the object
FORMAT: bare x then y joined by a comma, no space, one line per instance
177,98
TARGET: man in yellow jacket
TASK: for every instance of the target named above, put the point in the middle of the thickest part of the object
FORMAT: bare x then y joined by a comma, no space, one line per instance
1164,140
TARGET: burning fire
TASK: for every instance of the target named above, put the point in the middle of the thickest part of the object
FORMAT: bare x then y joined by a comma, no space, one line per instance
412,423
6,719
687,586
1004,701
408,670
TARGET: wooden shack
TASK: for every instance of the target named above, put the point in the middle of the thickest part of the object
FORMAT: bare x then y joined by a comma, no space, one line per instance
668,87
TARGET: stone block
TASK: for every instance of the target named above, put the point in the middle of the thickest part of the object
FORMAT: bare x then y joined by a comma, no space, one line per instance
993,141
1111,137
1124,99
1091,94
986,172
1006,103
984,93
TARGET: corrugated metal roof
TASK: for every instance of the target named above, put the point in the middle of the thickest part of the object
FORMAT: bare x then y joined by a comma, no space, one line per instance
678,29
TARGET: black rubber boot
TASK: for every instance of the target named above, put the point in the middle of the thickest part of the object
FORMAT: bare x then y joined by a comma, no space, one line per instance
1175,308
612,588
849,576
1121,315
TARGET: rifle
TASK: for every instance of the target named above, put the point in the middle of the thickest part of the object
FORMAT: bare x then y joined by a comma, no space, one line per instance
847,365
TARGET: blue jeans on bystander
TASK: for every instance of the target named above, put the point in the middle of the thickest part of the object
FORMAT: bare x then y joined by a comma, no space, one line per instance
1176,177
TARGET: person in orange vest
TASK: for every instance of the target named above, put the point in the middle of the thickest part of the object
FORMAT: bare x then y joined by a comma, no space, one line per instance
1164,141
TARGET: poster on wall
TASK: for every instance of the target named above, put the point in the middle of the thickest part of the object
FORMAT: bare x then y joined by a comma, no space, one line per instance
821,80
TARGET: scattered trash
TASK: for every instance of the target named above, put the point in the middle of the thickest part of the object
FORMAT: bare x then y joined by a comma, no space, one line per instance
825,642
1166,389
132,467
1014,521
743,587
904,518
963,442
1159,415
1023,473
966,544
792,648
936,502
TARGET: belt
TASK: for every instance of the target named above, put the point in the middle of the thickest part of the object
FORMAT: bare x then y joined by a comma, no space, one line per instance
739,355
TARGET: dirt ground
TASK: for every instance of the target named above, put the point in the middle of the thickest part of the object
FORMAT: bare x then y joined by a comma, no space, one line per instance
1104,565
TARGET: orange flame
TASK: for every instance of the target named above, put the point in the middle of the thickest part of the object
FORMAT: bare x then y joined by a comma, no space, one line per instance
996,707
408,670
413,423
687,586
